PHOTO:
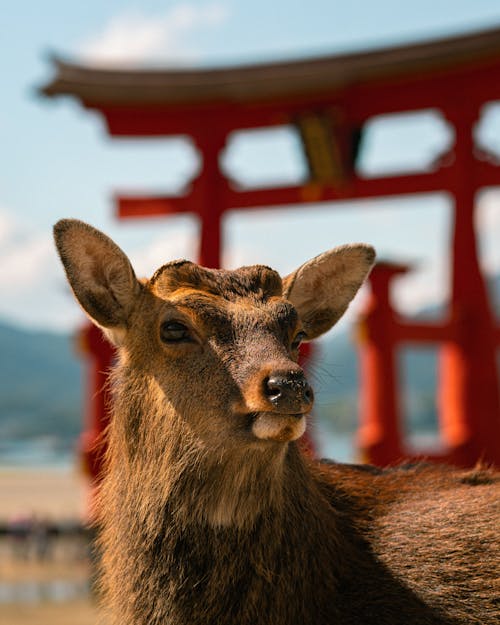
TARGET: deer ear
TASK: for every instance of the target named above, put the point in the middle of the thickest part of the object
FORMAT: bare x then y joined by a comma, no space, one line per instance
322,288
99,273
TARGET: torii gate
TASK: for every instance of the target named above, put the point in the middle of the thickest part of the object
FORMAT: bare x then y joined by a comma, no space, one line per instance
330,100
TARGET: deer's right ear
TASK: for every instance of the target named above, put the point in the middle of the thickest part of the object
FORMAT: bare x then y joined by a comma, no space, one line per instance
322,288
99,273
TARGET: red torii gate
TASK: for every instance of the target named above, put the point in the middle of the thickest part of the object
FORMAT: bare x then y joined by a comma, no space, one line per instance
330,99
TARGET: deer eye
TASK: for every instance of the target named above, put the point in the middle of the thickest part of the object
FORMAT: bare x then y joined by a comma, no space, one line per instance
298,340
174,332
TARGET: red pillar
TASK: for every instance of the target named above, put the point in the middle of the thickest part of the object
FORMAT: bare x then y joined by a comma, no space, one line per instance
210,185
379,435
99,354
469,396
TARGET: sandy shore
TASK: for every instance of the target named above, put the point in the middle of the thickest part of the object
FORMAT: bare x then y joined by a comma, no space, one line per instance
73,613
57,495
49,493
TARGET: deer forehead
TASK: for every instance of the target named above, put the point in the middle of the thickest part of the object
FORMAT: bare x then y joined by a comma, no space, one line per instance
255,280
215,312
215,295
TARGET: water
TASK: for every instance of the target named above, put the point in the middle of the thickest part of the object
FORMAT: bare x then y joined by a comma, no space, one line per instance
47,454
54,590
337,446
39,452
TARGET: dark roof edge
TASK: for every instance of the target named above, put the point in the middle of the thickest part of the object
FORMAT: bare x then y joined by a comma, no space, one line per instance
96,84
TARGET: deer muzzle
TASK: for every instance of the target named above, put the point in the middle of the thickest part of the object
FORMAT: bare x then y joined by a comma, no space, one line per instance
278,401
289,391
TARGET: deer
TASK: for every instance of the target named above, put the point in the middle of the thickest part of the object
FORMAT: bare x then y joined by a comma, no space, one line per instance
209,512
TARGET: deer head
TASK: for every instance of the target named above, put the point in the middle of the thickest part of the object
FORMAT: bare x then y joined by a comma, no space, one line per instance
220,346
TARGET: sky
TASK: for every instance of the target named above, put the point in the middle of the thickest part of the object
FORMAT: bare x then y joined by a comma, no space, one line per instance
57,161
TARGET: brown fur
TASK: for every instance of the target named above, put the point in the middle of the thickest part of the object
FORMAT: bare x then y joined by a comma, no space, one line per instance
205,522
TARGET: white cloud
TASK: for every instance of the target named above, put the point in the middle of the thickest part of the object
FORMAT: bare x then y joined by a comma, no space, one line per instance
6,227
133,38
179,241
427,285
31,279
33,288
488,228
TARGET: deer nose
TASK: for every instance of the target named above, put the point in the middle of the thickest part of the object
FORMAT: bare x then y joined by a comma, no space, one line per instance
289,391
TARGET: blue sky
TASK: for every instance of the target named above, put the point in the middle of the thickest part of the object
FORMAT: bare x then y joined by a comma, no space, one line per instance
56,160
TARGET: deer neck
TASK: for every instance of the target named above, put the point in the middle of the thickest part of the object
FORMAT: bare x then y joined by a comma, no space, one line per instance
163,466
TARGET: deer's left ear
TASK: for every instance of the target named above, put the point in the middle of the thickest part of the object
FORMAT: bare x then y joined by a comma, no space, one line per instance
99,273
322,288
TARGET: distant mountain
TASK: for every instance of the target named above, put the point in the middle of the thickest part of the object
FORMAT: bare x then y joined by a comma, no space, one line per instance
40,385
336,381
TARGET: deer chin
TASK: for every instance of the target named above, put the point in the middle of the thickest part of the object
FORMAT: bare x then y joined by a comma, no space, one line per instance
281,428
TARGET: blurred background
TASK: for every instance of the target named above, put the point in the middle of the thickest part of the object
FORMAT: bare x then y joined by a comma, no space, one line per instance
58,160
